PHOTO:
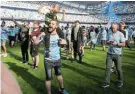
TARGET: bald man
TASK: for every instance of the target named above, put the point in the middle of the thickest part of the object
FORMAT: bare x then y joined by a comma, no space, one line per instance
116,41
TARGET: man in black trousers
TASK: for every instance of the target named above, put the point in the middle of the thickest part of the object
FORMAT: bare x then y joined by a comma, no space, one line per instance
77,39
24,34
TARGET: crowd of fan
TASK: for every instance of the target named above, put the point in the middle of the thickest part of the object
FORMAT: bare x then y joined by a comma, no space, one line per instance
127,7
36,5
32,15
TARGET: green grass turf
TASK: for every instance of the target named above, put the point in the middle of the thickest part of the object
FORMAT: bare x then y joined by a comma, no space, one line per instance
85,78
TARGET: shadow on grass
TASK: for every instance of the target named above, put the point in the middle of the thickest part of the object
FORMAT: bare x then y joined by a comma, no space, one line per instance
85,74
91,66
14,55
35,83
91,89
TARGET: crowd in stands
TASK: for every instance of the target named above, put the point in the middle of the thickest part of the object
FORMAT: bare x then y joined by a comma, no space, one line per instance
33,5
97,18
126,7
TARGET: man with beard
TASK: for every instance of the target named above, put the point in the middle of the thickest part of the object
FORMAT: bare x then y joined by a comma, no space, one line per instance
53,39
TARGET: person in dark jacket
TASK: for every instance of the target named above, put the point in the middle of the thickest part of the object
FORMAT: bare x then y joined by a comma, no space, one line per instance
24,34
77,39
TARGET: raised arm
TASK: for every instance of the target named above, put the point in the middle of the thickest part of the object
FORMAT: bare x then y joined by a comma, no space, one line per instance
63,15
19,25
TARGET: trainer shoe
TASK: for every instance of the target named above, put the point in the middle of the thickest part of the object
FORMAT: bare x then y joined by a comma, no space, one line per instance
23,61
105,85
2,54
119,84
5,55
67,57
63,91
26,63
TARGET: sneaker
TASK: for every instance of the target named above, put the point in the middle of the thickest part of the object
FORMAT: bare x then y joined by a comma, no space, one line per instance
5,55
26,63
23,61
119,84
67,57
2,54
105,85
63,91
112,70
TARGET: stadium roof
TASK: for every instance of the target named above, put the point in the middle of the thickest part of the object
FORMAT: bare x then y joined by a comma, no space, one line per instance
87,3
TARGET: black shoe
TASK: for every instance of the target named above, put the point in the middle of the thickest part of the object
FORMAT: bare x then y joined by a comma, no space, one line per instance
80,61
119,84
105,85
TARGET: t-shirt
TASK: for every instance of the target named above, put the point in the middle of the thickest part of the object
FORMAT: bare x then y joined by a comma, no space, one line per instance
133,34
76,29
103,35
35,32
93,37
54,50
117,37
4,31
13,31
68,34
